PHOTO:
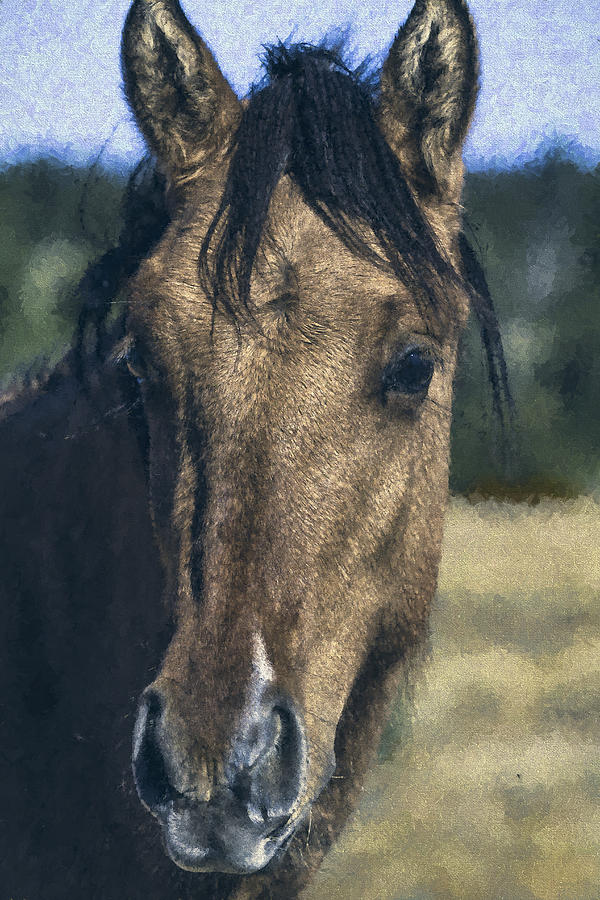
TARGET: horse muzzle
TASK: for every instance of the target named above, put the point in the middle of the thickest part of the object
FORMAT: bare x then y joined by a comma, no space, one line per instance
247,810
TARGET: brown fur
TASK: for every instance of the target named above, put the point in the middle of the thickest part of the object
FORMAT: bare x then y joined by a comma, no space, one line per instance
288,499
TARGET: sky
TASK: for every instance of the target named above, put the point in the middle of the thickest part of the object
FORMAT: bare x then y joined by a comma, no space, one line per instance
60,80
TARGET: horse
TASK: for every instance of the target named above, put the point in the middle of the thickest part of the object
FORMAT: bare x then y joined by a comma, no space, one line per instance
227,499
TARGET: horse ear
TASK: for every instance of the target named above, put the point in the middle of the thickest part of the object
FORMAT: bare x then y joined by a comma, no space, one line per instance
183,104
428,90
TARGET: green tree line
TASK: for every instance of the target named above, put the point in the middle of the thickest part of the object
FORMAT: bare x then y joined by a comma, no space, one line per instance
536,230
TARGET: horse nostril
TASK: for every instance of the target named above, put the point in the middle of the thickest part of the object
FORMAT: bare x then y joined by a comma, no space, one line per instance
149,769
272,785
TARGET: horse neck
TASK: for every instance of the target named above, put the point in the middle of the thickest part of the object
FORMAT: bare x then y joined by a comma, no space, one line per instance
73,486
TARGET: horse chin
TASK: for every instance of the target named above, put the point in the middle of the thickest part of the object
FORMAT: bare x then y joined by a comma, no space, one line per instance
199,838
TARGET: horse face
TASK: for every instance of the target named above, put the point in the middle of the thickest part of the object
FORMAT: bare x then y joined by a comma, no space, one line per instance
298,449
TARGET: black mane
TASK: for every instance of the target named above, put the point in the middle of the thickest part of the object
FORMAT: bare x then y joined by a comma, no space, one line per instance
313,118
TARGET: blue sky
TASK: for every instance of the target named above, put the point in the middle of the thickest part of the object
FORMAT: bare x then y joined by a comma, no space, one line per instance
60,81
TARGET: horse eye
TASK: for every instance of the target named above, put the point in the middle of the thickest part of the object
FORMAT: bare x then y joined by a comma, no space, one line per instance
136,364
409,373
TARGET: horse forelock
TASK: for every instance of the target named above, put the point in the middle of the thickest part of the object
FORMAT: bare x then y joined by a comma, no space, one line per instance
315,119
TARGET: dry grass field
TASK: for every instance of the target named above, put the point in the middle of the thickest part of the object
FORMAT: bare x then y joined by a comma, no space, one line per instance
490,788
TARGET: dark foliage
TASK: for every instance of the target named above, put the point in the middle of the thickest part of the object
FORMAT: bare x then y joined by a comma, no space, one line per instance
535,231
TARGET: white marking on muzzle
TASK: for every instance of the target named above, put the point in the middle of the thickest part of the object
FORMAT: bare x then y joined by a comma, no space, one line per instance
261,664
247,748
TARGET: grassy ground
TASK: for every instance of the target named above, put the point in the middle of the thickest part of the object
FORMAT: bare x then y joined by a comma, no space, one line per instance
492,790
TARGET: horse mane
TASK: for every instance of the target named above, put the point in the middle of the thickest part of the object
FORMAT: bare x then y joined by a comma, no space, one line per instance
491,338
314,118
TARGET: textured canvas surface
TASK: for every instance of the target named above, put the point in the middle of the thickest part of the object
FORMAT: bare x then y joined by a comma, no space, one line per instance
488,780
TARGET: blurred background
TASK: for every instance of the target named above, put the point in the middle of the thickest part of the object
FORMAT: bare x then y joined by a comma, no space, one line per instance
488,780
